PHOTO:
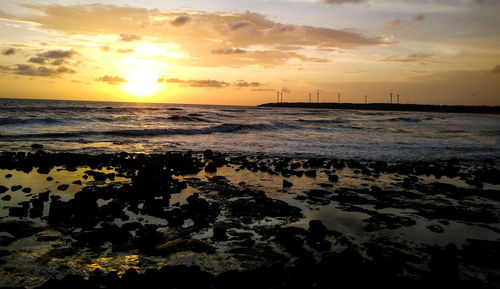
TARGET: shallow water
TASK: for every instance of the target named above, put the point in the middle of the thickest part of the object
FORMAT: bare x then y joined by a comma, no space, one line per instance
97,127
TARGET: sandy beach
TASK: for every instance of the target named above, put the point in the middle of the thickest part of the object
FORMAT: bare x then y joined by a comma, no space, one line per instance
213,220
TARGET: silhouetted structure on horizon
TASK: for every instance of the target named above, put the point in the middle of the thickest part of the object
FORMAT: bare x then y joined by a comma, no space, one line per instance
391,107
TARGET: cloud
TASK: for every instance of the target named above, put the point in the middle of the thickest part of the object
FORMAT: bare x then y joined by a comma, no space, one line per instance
58,54
113,80
238,25
129,37
229,51
8,51
37,60
27,69
421,58
261,38
241,83
180,20
496,69
125,50
401,23
170,80
207,83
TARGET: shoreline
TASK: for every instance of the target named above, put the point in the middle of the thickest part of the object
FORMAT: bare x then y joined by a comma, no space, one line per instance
214,220
390,107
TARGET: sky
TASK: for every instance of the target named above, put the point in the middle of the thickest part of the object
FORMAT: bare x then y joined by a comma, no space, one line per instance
242,52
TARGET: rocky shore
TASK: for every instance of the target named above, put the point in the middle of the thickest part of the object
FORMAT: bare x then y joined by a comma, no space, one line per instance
212,220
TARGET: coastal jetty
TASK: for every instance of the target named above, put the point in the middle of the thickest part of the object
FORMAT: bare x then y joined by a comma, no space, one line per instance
390,107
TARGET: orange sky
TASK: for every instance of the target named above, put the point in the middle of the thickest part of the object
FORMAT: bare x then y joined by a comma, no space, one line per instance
242,52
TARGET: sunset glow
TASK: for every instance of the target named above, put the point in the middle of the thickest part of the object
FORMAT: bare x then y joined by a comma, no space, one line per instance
436,52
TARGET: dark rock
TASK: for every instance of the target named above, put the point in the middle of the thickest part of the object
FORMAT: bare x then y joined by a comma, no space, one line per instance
63,187
77,182
19,211
8,176
3,189
333,178
6,198
50,179
435,228
37,146
44,170
20,229
220,233
15,188
44,196
211,167
182,245
26,190
317,229
6,240
287,184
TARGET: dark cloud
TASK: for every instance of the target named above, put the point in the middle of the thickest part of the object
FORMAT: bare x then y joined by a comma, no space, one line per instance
238,25
57,62
229,51
400,23
129,37
285,90
496,69
125,50
37,60
26,69
263,89
181,20
8,51
58,54
422,58
241,83
207,83
113,80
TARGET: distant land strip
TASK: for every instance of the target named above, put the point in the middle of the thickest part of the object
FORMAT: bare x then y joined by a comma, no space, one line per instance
390,107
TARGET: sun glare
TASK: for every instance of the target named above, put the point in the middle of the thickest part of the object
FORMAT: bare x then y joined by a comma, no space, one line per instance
141,83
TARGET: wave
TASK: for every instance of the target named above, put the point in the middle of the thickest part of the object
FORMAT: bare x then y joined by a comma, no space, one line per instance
337,120
45,120
222,128
404,119
184,118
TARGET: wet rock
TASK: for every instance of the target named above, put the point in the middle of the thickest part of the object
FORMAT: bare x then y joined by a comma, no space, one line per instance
19,211
49,179
435,228
317,229
15,188
44,196
43,170
287,184
261,207
26,190
387,221
211,167
444,265
6,198
77,182
63,187
182,245
8,176
20,229
482,252
333,178
220,233
6,240
3,189
37,146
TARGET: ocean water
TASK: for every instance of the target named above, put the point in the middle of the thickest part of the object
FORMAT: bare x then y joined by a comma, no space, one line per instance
105,127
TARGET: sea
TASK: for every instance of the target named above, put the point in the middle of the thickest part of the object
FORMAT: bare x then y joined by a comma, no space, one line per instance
111,127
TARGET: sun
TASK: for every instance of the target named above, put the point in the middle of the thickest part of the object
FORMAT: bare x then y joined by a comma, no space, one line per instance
141,83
